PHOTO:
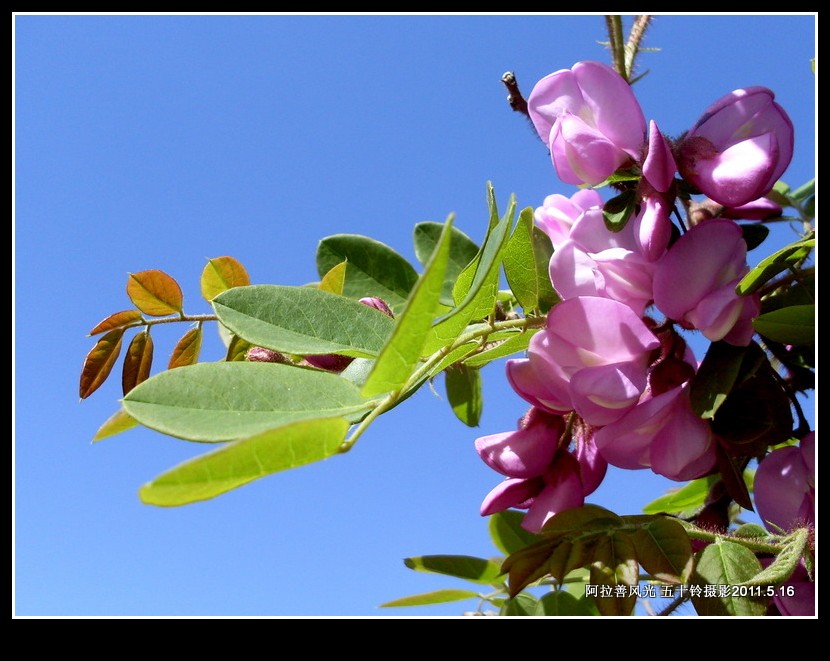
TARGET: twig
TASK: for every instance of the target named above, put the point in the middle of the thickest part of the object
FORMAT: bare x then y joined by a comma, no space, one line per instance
514,96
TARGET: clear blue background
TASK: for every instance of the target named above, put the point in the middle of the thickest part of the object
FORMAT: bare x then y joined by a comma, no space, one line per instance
156,142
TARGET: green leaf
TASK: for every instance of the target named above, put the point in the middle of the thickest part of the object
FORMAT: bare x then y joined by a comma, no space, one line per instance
750,531
401,353
462,251
716,377
754,234
788,257
221,274
794,324
154,293
227,401
237,348
522,605
464,393
235,464
686,499
785,562
507,533
579,519
526,264
373,269
99,362
514,343
663,548
303,320
477,570
804,191
479,298
429,598
726,563
334,281
615,564
619,209
118,422
562,604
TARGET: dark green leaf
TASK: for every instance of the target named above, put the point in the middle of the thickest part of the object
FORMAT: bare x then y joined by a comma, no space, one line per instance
754,234
715,377
507,533
684,500
522,605
373,268
726,563
303,320
751,530
619,209
429,598
804,191
235,464
663,548
582,518
227,401
462,251
794,324
464,393
477,570
562,604
402,352
615,564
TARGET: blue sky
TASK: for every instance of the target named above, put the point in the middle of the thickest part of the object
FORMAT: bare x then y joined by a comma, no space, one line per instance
159,141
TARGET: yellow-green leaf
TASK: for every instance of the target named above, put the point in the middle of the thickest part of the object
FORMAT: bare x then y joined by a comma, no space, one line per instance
221,273
238,463
429,598
334,280
118,422
186,351
137,362
99,361
154,293
121,319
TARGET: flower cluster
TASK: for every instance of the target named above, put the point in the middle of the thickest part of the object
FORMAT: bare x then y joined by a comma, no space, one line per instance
607,383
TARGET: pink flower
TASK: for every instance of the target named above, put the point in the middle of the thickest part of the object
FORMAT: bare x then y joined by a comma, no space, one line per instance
760,209
591,357
661,433
695,282
739,148
589,119
785,486
659,165
563,482
594,261
558,213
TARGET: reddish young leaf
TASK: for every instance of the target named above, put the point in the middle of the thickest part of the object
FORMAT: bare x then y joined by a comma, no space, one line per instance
116,320
154,293
186,351
98,362
222,273
137,362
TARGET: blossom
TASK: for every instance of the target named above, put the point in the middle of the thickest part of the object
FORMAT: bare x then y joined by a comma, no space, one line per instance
659,165
591,121
785,486
594,261
542,478
739,148
558,213
592,357
694,282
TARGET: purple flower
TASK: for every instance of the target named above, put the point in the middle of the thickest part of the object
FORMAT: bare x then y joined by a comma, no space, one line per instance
543,479
760,209
695,281
739,148
591,357
558,213
785,486
659,165
591,121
